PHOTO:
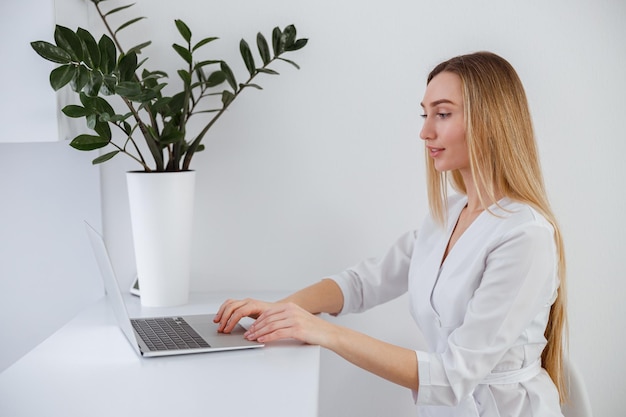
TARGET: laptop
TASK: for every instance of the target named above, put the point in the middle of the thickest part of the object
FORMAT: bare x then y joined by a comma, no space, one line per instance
163,336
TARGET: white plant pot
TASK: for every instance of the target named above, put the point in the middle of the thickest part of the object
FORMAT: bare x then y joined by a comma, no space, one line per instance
161,212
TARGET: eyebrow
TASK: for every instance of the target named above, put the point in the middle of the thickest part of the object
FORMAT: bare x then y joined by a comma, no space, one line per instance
438,102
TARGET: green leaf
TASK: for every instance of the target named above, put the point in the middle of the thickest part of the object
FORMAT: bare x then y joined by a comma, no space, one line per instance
127,129
230,77
116,117
127,24
103,129
91,52
185,76
141,62
87,101
94,84
51,52
290,62
154,74
108,54
201,77
104,158
171,134
183,52
268,71
183,29
204,42
177,103
88,142
201,64
81,78
138,48
207,111
69,41
289,35
60,76
96,105
128,89
127,66
149,80
161,105
276,41
91,119
227,97
215,79
264,49
258,87
248,59
299,44
108,85
102,106
119,9
74,111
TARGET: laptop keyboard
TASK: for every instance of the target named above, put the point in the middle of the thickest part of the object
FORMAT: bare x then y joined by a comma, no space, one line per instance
168,333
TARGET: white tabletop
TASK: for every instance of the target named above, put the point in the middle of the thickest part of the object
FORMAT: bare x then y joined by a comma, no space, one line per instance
87,368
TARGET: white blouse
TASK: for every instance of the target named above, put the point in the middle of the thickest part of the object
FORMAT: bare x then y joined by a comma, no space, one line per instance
483,312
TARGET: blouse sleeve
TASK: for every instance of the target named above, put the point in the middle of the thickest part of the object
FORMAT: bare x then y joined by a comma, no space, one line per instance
518,285
373,282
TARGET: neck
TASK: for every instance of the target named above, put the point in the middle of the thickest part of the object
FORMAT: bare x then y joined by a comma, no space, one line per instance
474,194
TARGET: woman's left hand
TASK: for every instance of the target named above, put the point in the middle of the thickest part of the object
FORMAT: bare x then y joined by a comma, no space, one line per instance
289,321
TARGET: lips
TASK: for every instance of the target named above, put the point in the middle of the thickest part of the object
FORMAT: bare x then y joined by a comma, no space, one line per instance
434,152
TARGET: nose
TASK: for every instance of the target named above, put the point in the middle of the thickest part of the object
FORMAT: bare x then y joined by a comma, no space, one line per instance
427,132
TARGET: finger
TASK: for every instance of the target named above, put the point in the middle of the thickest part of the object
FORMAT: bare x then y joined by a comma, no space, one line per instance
228,315
245,308
220,311
234,319
270,321
271,313
279,327
279,334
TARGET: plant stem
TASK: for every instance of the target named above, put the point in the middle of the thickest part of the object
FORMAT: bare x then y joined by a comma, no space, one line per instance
106,24
150,141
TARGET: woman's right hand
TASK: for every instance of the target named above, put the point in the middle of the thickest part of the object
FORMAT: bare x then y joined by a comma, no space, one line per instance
231,311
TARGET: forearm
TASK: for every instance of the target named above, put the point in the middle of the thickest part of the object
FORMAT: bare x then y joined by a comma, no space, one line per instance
394,363
322,297
286,320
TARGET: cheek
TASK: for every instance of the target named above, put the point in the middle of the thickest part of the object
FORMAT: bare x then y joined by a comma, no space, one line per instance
457,137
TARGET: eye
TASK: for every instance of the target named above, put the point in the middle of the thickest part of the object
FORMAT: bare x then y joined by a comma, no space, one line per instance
444,115
423,116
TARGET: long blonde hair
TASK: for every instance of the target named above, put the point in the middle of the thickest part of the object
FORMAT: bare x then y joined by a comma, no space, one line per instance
503,159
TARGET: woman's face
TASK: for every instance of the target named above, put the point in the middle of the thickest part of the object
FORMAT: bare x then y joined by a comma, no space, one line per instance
444,124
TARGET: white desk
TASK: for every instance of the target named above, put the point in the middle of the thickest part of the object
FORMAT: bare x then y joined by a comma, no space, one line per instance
87,368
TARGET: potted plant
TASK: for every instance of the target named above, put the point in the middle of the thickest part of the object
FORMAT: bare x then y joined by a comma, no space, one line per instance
152,128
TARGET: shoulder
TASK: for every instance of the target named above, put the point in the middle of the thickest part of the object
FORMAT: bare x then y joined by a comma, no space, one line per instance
513,214
514,221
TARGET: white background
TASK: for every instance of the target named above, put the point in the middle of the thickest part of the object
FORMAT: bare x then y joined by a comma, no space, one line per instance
325,167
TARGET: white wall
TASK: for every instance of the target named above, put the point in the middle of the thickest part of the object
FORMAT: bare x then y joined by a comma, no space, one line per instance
30,76
324,167
47,270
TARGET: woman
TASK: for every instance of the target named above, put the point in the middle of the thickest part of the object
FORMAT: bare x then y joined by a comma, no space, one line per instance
485,273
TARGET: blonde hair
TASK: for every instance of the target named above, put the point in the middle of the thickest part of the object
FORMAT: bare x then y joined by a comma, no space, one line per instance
503,160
